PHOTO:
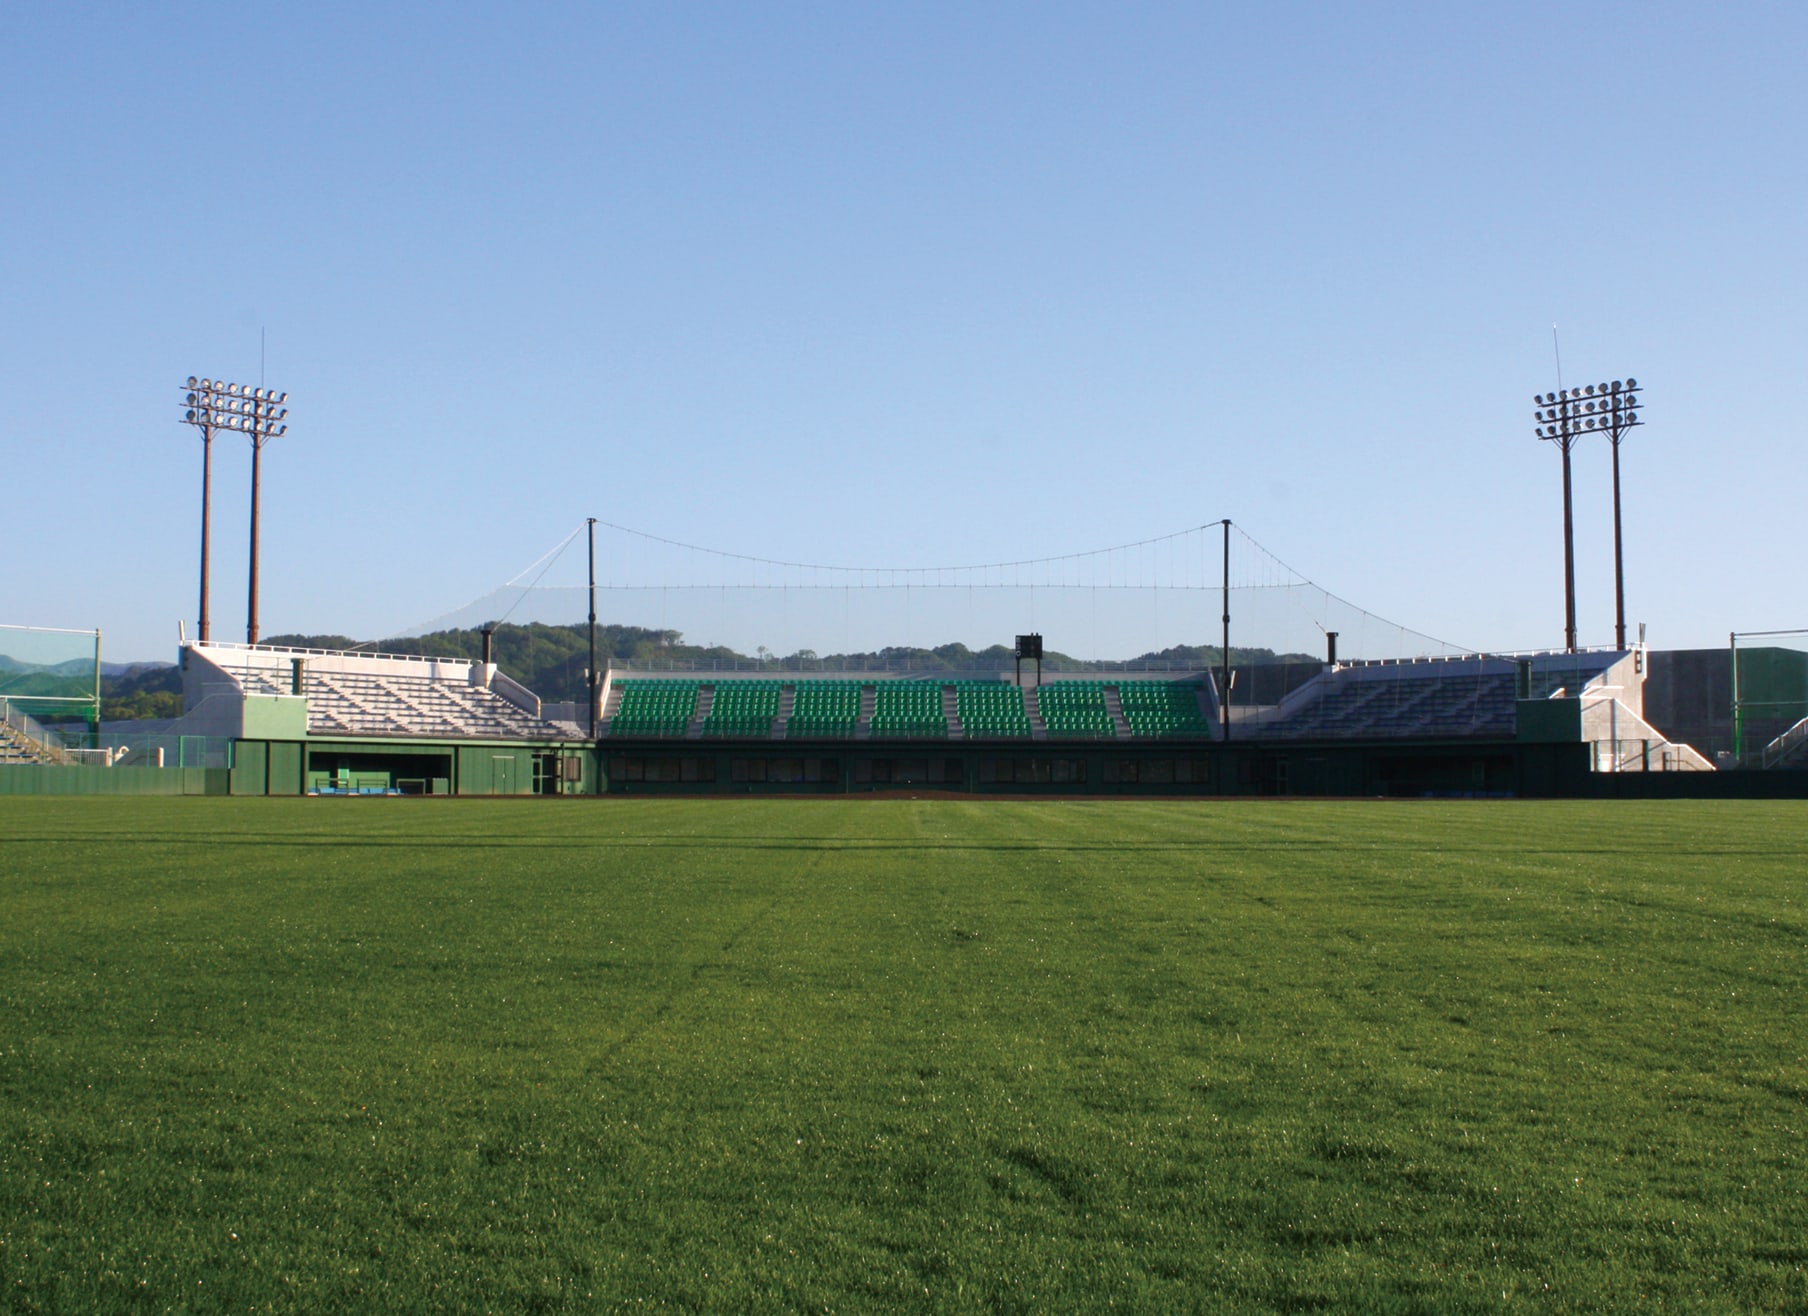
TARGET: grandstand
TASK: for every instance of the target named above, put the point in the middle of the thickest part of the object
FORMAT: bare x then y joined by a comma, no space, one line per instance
358,694
1161,709
1462,725
276,719
991,710
324,721
1446,699
653,708
350,722
907,710
23,740
1481,697
747,709
1079,710
825,710
1473,696
732,706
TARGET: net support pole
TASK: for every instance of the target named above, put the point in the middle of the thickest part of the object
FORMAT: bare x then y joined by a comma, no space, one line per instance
590,680
1224,652
94,718
1738,713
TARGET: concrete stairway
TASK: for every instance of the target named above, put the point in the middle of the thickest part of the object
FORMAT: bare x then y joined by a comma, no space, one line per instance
706,698
869,700
1114,705
951,712
1032,709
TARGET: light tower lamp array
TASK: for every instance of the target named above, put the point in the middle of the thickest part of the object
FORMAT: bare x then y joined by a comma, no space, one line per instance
1564,417
259,414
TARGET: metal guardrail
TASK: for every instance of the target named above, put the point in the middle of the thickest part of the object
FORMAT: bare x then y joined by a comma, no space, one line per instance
31,730
152,749
1786,744
230,646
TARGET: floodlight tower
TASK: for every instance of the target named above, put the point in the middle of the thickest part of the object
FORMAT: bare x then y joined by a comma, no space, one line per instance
257,413
1564,417
1564,434
201,417
1622,415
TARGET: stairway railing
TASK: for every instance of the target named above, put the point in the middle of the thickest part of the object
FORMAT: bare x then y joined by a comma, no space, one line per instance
1786,744
28,727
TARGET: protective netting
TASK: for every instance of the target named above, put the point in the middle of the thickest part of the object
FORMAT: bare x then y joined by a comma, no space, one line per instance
49,672
1770,697
1155,600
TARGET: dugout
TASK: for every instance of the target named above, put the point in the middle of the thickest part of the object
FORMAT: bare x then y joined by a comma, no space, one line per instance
369,766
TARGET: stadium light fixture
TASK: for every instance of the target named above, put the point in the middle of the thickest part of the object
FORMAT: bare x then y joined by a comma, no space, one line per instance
1564,417
260,414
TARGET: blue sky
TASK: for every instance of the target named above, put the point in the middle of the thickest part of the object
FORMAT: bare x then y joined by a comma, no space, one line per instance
903,285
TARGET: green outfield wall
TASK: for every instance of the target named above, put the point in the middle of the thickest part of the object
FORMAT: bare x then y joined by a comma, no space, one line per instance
1055,768
58,779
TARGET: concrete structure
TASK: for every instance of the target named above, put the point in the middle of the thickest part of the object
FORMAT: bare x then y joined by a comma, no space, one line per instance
266,720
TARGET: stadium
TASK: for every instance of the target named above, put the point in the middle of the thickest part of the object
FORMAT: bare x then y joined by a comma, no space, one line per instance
904,659
289,719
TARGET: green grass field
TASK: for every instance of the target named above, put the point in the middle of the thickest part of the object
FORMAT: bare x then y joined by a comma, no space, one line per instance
774,1055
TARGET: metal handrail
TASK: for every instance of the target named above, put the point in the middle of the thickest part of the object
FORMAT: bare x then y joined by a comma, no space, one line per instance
1785,745
332,653
32,730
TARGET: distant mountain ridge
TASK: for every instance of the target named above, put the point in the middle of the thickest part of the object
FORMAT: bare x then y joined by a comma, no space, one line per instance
68,667
132,669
